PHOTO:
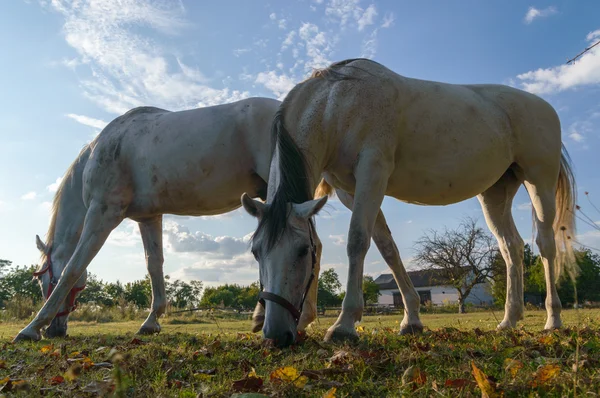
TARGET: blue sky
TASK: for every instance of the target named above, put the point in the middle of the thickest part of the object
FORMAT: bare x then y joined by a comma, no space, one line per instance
70,67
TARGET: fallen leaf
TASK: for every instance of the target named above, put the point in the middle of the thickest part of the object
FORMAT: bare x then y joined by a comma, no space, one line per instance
340,357
544,374
413,375
5,380
47,348
2,364
57,380
512,366
485,385
458,383
73,372
74,354
330,393
137,341
360,329
547,340
288,374
87,363
250,383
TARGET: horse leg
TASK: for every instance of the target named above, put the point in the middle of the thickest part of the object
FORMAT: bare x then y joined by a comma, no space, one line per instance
496,203
371,175
382,236
100,220
151,231
544,206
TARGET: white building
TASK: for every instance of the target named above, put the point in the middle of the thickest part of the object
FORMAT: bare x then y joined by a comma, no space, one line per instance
431,287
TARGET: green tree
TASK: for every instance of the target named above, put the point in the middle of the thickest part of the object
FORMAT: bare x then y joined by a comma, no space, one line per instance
18,281
216,296
114,291
182,295
4,265
328,291
139,292
370,290
95,291
248,296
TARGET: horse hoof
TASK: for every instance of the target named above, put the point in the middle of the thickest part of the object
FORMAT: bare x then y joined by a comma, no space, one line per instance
505,325
148,330
411,329
25,337
339,335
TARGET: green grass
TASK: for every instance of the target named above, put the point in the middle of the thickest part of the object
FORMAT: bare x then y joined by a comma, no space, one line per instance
188,359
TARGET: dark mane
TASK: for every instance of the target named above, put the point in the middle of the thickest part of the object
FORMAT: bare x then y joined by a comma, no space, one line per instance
294,185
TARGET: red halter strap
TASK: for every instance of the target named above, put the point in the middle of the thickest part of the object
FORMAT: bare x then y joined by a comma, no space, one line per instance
71,305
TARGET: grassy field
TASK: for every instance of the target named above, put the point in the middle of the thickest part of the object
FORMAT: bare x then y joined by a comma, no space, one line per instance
457,355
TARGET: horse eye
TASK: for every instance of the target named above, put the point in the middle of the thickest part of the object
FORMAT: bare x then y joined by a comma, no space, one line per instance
303,251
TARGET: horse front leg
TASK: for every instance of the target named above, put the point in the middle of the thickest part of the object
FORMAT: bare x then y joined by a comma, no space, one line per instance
151,231
371,182
100,220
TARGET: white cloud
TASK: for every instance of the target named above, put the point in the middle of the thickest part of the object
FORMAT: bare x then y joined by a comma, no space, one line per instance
575,136
289,40
273,16
241,269
128,68
583,72
338,240
240,51
524,206
280,85
343,10
369,45
88,121
29,196
388,20
317,45
534,13
54,186
367,18
178,238
125,235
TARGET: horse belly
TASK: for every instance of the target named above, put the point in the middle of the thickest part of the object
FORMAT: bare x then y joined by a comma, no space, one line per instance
445,183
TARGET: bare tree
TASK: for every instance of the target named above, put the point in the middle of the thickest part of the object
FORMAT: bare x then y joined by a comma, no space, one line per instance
461,258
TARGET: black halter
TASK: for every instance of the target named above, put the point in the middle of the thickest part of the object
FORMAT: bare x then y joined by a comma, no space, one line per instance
262,296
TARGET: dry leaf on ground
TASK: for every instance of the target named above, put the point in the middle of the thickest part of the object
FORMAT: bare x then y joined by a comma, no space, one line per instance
484,383
288,374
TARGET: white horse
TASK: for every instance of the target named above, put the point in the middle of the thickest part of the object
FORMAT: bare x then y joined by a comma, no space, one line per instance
146,163
372,132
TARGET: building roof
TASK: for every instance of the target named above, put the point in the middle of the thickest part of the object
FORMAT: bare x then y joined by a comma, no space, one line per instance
420,278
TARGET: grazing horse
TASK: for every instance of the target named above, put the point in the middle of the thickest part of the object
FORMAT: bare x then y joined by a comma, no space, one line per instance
372,133
146,163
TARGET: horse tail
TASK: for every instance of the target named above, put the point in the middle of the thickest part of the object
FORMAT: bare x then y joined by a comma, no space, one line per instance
564,221
324,189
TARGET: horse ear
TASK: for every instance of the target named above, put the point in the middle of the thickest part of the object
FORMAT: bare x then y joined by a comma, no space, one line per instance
310,208
40,245
253,207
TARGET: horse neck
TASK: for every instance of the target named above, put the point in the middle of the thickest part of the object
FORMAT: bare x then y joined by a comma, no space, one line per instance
68,215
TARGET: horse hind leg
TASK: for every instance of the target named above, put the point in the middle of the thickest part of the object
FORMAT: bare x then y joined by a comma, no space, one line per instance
100,220
151,231
544,206
496,203
384,241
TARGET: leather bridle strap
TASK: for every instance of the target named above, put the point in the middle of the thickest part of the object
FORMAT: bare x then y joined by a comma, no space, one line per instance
262,296
72,306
